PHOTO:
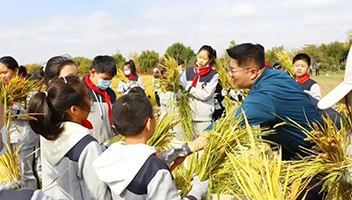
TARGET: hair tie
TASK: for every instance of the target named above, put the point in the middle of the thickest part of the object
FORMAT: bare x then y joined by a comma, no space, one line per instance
46,93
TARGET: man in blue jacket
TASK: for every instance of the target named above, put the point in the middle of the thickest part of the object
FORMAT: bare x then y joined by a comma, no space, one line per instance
274,97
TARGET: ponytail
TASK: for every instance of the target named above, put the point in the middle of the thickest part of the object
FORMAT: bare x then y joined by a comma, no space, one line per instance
48,122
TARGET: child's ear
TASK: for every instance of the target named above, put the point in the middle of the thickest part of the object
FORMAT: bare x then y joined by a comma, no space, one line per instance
92,71
148,124
73,110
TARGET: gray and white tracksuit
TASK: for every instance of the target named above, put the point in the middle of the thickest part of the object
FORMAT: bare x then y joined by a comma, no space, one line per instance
67,169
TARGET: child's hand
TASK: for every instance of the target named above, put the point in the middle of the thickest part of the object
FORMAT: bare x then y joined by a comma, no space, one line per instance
170,155
199,188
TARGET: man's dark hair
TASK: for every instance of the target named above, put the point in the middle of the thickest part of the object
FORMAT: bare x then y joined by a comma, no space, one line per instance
130,113
301,56
104,64
246,53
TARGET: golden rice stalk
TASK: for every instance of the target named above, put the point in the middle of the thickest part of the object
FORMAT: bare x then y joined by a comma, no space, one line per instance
329,159
163,136
185,115
344,111
120,75
258,173
170,79
17,90
225,136
286,61
225,80
9,166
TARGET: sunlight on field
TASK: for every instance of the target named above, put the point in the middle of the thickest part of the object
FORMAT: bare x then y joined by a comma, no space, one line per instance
147,80
326,83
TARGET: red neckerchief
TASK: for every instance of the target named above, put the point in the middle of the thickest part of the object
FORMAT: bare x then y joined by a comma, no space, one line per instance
201,72
303,79
103,93
131,76
86,123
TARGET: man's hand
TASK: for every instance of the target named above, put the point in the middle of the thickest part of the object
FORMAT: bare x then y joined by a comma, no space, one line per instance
200,142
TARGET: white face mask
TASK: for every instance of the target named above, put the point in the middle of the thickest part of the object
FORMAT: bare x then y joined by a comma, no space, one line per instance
127,72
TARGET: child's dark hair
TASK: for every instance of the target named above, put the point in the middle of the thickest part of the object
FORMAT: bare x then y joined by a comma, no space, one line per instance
12,64
180,61
132,66
211,53
130,113
138,90
51,106
54,66
301,56
246,53
104,64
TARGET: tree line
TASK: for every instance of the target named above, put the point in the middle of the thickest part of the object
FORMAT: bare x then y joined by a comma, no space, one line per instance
332,57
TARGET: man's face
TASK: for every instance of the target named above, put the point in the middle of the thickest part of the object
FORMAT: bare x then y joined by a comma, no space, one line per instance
243,77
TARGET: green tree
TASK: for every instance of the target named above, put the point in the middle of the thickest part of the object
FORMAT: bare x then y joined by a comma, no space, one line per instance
83,64
119,59
33,68
148,60
178,50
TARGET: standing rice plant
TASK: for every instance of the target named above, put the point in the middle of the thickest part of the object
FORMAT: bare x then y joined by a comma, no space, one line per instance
286,61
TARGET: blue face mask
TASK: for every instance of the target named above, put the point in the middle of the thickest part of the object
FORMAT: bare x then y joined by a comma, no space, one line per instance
103,84
180,72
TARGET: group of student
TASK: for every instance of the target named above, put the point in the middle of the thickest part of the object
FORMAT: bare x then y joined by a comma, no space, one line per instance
79,115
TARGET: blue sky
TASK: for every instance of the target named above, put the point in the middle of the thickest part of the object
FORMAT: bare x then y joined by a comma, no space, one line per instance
33,31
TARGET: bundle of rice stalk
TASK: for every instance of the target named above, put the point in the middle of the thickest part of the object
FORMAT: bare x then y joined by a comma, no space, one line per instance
120,75
163,136
330,159
225,79
226,135
346,113
9,166
170,79
286,61
185,115
258,173
17,90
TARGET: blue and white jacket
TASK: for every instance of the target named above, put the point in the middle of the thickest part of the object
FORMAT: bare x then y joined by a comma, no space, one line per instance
201,97
67,169
134,173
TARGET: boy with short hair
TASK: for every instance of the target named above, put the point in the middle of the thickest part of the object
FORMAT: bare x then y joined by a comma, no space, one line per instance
98,81
301,66
131,169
